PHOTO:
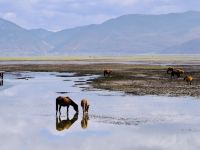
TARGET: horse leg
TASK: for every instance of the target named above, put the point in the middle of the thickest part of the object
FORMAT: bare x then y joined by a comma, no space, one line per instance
83,109
67,110
178,75
59,109
56,107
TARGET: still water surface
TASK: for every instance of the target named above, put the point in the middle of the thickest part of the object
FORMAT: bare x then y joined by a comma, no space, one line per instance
116,121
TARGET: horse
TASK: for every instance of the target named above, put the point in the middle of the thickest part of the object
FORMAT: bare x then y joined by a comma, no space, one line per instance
65,124
85,105
170,69
177,72
84,121
188,79
107,72
65,101
181,71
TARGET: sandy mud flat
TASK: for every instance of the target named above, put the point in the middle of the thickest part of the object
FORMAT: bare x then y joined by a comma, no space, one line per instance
130,78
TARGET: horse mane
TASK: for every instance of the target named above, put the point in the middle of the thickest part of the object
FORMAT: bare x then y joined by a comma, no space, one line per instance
72,102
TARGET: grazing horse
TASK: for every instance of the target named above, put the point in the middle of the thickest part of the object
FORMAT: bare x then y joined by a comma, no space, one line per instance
84,121
169,70
65,124
85,105
180,71
177,72
107,72
188,79
65,101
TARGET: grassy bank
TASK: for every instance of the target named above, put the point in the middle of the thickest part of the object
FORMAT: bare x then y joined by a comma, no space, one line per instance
134,58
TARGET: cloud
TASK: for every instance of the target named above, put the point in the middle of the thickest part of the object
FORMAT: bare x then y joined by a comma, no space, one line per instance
123,3
9,16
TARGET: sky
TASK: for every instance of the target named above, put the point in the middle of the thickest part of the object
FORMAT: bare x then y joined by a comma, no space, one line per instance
56,15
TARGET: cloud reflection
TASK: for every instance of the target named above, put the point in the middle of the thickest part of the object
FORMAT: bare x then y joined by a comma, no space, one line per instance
28,119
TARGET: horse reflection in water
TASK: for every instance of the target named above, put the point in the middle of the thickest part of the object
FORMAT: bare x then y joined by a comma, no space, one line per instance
84,121
1,82
85,106
1,78
65,124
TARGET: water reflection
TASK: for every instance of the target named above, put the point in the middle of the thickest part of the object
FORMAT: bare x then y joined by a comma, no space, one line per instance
1,82
84,121
1,78
65,124
151,122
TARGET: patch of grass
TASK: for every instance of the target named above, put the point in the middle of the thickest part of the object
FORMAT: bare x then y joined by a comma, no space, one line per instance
134,58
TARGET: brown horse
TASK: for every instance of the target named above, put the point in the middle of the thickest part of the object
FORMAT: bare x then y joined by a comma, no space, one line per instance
169,70
188,79
65,124
85,105
177,72
66,102
84,121
181,71
107,72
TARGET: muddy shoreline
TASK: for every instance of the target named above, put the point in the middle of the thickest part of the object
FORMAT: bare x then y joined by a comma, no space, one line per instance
129,78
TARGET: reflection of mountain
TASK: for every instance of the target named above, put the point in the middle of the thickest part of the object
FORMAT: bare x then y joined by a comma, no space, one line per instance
65,124
128,34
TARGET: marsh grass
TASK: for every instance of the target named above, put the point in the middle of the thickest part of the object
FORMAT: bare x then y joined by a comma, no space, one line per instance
137,58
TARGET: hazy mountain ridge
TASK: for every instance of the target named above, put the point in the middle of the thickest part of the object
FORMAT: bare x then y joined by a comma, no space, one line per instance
129,34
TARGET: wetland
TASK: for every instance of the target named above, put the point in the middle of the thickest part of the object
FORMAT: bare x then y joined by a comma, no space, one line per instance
160,114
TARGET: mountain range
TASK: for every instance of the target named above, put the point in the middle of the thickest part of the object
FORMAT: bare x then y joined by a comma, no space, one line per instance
173,33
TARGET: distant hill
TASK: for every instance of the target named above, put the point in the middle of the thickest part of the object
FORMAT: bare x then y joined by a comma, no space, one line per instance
15,40
174,33
189,47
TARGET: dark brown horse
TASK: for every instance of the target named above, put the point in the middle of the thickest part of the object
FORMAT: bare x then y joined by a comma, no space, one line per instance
107,72
65,124
85,105
169,70
66,102
177,72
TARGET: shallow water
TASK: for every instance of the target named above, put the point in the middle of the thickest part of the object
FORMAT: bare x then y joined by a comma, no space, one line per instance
116,121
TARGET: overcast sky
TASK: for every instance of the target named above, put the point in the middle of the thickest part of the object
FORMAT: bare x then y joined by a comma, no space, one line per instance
61,14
